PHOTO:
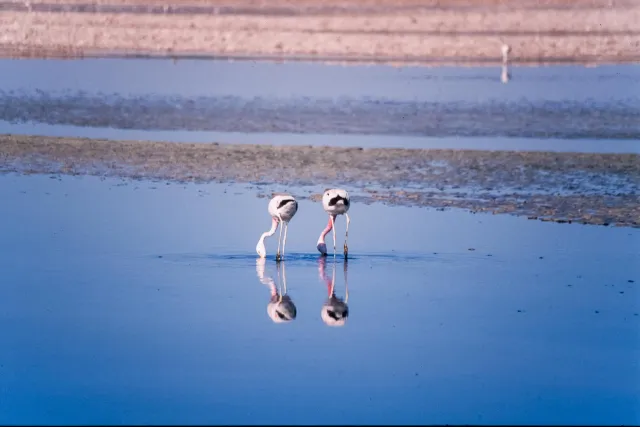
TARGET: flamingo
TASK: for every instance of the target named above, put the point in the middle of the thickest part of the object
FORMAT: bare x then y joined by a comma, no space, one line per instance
505,49
335,201
335,311
505,76
282,207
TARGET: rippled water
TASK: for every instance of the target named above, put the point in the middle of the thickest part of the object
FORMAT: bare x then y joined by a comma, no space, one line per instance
142,302
294,100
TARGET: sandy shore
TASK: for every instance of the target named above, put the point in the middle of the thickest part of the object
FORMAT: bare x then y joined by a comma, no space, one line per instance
406,32
562,187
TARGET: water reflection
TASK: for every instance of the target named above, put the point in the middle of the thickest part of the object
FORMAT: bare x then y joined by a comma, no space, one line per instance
95,329
335,310
280,308
505,76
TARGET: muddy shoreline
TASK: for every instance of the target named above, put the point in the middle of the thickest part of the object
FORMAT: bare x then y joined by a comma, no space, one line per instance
412,32
597,189
603,119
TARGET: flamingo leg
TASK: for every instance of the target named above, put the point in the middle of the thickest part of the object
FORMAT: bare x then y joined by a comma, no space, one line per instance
284,242
279,239
333,227
346,236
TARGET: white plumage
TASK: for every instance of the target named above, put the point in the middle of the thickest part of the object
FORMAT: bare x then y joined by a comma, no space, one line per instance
505,49
335,201
282,208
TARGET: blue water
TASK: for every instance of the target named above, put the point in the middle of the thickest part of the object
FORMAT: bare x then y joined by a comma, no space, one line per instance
559,108
249,79
141,302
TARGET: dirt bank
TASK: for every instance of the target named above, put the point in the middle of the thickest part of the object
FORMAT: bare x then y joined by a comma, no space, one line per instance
406,32
562,187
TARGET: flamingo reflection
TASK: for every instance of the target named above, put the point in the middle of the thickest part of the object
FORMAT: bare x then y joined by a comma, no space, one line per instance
281,308
335,310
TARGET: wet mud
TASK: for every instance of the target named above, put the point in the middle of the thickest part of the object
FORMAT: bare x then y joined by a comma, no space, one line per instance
568,119
599,189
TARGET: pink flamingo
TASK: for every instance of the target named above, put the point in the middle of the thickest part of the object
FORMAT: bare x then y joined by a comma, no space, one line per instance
335,201
282,207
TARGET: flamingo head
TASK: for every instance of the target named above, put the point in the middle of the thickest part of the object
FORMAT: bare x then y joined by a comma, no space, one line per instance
260,249
322,247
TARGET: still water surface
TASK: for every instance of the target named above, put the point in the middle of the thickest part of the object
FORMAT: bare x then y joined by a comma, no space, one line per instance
560,108
142,302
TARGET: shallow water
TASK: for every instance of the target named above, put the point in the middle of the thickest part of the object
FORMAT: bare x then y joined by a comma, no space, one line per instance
292,139
141,302
191,100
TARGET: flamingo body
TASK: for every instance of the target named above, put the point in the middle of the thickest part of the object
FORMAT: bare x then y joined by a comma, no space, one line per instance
335,201
282,208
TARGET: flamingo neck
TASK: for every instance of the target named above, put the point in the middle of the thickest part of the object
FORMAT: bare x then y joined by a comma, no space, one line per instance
325,231
274,227
260,245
